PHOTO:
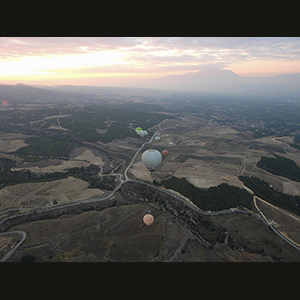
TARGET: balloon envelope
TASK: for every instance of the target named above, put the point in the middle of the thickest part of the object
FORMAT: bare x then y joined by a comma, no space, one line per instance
151,159
143,133
148,219
5,102
157,138
138,130
165,152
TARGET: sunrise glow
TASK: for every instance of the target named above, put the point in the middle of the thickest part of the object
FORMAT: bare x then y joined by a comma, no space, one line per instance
66,60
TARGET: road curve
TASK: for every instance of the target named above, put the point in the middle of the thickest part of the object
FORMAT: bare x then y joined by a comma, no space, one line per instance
11,251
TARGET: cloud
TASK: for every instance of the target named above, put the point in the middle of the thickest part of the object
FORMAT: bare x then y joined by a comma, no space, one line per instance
66,55
17,47
225,47
121,68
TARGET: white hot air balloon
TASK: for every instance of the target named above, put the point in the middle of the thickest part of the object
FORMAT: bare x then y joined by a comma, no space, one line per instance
143,133
151,159
157,138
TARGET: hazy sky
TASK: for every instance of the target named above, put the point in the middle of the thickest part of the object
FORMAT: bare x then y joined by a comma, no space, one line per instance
124,60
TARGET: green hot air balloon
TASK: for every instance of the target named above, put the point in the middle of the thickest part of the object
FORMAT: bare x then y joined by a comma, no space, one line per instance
138,130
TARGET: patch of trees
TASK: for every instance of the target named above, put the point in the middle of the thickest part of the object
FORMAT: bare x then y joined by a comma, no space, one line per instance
28,258
223,196
297,146
138,114
24,176
5,165
83,124
296,143
117,130
263,190
83,127
259,132
45,147
281,166
89,174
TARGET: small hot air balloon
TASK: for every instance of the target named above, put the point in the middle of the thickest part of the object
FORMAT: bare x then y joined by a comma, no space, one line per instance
138,130
151,159
157,138
165,152
148,219
5,102
143,133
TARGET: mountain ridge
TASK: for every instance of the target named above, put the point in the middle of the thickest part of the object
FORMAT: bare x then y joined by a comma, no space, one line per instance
224,82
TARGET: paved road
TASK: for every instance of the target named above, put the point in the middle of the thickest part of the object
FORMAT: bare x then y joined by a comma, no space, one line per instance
11,251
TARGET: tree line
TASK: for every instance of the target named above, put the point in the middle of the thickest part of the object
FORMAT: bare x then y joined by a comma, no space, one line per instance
281,166
223,196
296,143
41,146
89,174
263,190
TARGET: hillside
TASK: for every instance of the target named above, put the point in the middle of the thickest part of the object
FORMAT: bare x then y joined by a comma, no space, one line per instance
113,231
23,94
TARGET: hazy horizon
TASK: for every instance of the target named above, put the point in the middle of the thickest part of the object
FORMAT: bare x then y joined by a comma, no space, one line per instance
129,61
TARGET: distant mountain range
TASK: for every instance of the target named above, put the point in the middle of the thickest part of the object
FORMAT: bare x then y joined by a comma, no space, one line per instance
226,81
221,82
63,94
21,94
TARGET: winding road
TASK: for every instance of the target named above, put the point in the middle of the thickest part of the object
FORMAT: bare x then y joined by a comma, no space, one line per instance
11,251
261,217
